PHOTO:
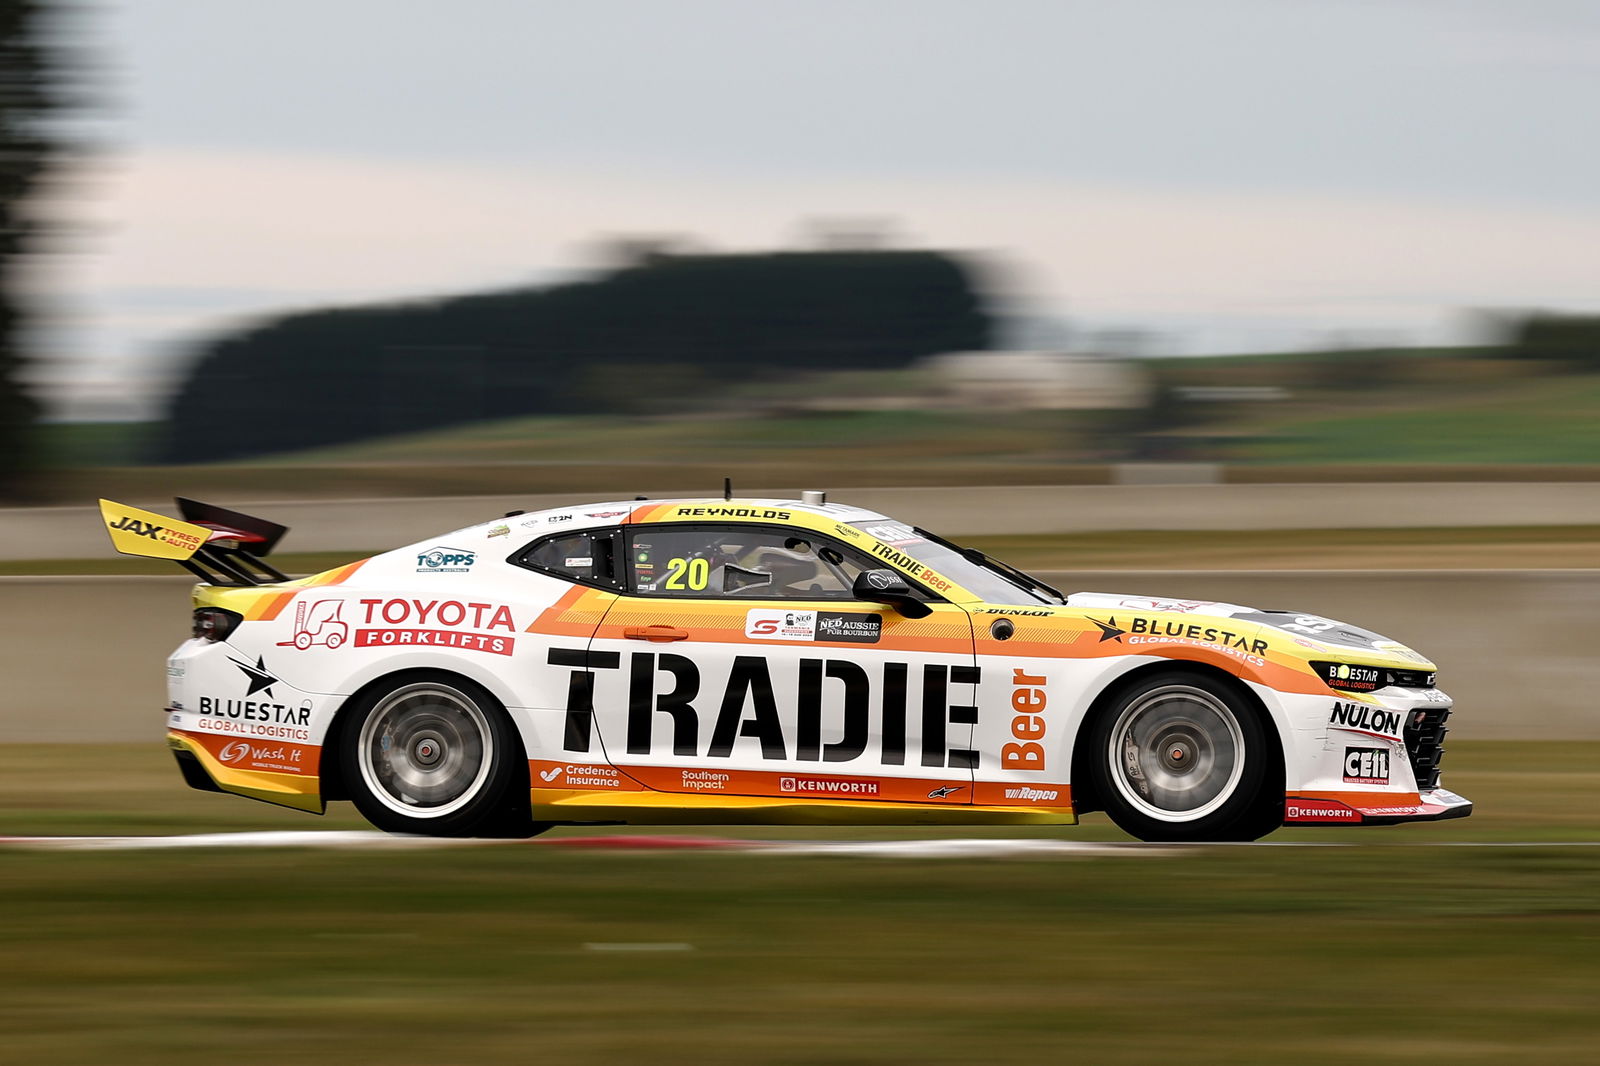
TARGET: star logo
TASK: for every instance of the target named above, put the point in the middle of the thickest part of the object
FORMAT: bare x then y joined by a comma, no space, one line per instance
1109,631
944,790
260,680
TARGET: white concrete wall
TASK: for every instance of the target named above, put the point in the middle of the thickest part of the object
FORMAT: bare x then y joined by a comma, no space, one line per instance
83,658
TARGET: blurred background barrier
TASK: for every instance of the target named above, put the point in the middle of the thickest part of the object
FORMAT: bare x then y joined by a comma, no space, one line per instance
378,525
83,656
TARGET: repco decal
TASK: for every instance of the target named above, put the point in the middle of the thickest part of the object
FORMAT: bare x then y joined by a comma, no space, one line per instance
435,624
748,707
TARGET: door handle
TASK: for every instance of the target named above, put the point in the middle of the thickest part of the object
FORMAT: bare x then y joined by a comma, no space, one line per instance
659,634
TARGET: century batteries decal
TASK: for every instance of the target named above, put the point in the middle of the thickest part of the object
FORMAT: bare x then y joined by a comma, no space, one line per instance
402,623
1365,718
709,724
1366,766
843,627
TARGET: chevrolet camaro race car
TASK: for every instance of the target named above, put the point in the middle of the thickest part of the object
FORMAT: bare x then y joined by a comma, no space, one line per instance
768,661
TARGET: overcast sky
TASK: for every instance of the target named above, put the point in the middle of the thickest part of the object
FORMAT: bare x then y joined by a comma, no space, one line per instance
1240,173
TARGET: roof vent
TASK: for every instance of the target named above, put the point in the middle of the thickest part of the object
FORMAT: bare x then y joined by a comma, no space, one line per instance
813,498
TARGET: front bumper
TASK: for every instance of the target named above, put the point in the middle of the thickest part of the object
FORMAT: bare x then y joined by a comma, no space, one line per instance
1368,808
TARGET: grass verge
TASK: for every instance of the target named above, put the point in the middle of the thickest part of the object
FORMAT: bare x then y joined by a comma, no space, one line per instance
1386,953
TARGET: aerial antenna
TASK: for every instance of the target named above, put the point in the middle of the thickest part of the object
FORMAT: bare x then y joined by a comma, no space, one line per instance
727,488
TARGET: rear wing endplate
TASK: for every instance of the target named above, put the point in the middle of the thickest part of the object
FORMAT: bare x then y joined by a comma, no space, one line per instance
219,546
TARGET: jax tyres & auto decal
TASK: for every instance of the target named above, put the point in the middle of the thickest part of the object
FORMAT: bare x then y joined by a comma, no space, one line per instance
432,753
1181,756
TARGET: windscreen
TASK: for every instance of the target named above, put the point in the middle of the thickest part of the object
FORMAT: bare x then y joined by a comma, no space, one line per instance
984,582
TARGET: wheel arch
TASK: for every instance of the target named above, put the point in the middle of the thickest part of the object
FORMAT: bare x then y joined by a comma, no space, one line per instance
332,783
1084,797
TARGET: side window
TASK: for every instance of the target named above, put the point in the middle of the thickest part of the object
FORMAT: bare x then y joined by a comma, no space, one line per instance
750,562
588,556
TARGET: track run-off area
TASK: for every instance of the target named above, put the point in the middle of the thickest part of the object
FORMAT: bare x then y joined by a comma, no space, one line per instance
956,848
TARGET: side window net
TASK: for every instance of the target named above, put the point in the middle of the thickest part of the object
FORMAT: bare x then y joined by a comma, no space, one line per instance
588,556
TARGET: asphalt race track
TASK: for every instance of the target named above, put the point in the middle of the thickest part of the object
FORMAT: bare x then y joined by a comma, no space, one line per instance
967,848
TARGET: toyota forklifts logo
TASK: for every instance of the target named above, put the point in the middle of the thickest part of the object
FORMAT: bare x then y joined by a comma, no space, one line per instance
317,623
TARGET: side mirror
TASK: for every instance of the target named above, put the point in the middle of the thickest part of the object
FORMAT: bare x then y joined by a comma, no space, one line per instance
886,586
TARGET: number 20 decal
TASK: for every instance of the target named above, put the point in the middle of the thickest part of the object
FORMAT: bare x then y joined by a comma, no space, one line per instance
692,574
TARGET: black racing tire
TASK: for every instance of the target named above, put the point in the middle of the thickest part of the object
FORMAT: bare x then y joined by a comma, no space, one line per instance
1183,756
433,754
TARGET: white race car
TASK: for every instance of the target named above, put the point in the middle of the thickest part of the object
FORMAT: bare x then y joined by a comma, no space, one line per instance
721,660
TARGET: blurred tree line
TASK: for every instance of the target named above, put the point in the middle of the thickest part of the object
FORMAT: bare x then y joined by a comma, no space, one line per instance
1571,340
28,76
666,332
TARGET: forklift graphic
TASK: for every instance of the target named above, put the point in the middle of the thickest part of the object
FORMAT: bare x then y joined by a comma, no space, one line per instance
319,625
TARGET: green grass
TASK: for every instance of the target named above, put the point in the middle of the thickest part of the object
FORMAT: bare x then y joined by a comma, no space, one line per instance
73,444
918,436
1389,953
1550,420
1421,416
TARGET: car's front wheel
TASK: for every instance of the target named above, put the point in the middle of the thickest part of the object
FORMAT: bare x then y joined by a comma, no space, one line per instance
435,755
1182,756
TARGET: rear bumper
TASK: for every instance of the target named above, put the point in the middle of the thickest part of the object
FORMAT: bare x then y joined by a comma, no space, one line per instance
1373,809
217,764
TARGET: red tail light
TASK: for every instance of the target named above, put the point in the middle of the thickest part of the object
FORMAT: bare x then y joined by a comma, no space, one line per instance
213,623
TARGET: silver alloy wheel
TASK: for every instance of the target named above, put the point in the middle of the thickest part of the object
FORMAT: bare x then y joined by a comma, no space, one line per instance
425,750
1176,753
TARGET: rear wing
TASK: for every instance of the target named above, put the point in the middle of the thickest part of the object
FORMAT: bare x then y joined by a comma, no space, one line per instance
219,546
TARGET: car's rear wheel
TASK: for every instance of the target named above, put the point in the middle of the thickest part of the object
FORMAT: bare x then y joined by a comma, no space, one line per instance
1180,755
435,755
